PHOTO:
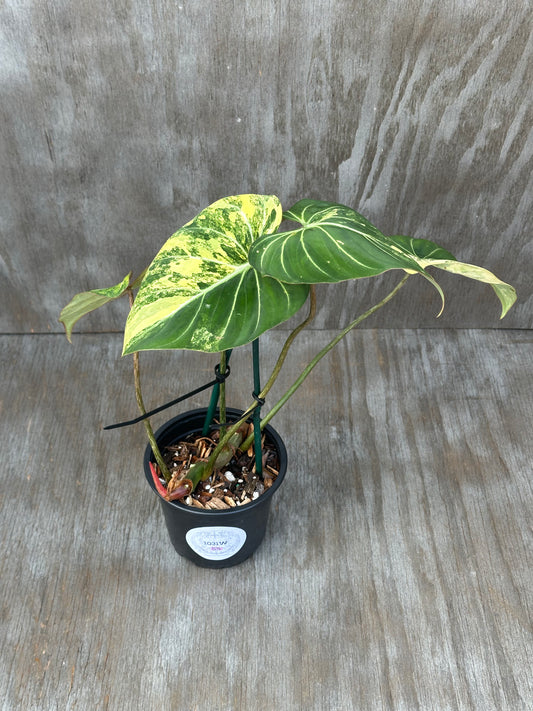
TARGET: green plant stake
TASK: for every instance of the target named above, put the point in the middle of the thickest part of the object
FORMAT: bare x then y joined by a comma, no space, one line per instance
222,407
257,410
219,391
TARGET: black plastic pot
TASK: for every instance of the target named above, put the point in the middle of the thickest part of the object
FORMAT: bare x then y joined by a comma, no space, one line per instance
214,539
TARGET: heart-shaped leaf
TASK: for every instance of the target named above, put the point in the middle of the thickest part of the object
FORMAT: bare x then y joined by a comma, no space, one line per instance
335,243
200,292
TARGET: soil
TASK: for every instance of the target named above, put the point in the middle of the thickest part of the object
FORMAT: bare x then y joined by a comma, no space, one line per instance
234,484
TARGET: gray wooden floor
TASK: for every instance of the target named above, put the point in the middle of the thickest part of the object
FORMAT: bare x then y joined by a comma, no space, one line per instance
397,568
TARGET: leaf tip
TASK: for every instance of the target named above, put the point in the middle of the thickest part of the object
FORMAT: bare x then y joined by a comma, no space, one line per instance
68,330
438,288
507,300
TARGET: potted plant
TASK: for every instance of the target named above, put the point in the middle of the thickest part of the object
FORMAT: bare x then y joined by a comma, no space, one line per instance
226,277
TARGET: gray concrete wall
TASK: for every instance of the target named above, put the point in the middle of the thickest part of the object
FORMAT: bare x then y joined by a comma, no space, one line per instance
121,119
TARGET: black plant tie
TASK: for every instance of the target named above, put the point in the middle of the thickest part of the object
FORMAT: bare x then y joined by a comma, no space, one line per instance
221,377
259,400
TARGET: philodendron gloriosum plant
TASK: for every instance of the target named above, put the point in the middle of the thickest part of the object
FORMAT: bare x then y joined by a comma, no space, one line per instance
229,275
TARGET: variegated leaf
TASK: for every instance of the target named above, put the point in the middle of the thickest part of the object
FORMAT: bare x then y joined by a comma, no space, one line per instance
87,301
335,243
200,292
430,254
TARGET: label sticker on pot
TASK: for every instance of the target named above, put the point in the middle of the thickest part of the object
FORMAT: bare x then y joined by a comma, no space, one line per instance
216,542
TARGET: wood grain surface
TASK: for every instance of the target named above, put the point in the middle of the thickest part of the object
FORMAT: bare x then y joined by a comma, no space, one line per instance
120,120
397,569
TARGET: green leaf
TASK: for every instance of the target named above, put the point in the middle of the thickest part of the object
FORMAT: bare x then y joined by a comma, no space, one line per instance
421,248
335,243
87,301
200,292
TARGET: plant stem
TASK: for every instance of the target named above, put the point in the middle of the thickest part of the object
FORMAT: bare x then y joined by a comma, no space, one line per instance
285,350
323,352
223,441
246,444
138,395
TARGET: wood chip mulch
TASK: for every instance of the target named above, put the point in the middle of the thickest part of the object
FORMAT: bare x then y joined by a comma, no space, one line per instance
235,484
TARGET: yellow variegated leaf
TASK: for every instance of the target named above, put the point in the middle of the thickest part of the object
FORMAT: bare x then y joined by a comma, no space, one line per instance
335,243
87,301
201,293
505,292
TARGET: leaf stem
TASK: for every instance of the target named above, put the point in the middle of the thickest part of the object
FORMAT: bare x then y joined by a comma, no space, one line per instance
286,346
138,395
275,409
312,308
235,426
